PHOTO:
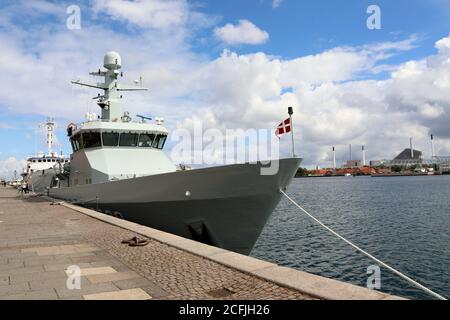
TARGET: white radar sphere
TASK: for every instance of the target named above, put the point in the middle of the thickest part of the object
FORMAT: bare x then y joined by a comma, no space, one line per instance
112,61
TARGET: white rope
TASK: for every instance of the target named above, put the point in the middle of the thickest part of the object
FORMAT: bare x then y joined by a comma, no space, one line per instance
413,282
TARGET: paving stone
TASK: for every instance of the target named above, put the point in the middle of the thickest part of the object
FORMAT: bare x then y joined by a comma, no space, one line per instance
99,278
39,261
4,280
88,259
87,289
14,289
78,254
131,294
46,294
11,266
64,266
95,271
15,253
47,275
118,266
48,239
155,291
54,283
73,298
22,270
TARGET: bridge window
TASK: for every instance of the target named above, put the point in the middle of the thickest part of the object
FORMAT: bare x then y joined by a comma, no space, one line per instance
92,140
76,142
146,140
110,139
128,139
159,141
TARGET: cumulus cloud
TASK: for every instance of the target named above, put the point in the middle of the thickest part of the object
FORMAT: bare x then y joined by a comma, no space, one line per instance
8,166
155,14
332,108
145,13
276,3
244,32
335,101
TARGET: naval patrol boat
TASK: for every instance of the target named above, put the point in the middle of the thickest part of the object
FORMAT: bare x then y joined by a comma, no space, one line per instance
118,167
41,168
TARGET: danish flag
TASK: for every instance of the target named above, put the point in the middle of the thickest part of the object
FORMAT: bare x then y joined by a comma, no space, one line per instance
283,128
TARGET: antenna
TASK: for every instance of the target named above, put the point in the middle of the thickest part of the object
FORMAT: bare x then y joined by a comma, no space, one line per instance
143,118
49,127
110,101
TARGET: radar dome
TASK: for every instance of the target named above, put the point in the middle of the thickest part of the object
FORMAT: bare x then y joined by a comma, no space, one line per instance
112,61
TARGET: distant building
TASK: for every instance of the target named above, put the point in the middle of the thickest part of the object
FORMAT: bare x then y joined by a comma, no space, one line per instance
408,155
379,163
354,164
408,158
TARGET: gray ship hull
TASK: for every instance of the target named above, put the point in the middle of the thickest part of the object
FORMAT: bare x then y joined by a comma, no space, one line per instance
227,207
39,181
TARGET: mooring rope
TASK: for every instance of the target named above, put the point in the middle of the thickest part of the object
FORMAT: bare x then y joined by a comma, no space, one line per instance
413,282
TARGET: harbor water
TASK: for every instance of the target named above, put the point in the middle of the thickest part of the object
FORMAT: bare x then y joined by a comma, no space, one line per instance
404,221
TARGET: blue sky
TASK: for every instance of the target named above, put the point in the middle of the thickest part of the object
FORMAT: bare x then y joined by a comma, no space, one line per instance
294,30
300,28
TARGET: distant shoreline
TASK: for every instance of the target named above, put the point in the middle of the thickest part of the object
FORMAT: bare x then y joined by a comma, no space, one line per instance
375,176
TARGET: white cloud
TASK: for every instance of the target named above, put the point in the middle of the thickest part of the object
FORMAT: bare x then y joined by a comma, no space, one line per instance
334,65
332,108
154,14
244,32
333,105
8,166
276,3
158,14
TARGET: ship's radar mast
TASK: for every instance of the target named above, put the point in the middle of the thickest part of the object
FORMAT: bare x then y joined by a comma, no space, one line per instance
49,126
110,101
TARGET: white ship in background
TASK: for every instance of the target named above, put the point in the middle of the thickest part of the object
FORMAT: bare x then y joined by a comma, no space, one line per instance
118,167
39,170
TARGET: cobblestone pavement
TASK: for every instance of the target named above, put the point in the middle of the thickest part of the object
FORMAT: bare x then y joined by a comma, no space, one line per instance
38,242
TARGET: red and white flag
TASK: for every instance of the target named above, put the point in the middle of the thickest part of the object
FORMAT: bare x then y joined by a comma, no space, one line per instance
284,127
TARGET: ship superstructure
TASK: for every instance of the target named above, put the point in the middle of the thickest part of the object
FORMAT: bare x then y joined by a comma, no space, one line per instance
36,172
113,147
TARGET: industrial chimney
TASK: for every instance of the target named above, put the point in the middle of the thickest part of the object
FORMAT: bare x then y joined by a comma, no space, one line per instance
433,153
363,156
412,150
334,158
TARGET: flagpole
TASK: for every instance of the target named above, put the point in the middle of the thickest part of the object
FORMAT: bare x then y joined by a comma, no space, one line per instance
291,112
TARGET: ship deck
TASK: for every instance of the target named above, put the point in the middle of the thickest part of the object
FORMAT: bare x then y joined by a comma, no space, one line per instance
39,241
